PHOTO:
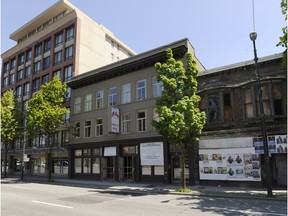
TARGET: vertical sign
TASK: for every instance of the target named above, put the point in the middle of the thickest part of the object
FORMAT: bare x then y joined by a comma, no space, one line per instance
114,120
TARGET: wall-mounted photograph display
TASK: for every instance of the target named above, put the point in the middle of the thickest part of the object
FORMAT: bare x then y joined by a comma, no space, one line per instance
239,164
276,144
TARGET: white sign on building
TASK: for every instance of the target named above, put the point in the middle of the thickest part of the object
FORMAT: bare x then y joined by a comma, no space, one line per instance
152,154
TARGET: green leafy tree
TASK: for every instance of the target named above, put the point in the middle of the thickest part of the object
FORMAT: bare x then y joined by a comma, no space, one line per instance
283,39
46,113
180,119
10,122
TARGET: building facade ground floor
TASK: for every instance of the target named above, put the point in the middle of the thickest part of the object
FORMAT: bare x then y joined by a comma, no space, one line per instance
232,161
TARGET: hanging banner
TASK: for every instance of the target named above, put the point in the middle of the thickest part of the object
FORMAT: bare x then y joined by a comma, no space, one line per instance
235,164
114,119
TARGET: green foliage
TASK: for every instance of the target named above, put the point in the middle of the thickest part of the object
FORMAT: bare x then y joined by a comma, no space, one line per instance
183,190
180,118
283,38
10,117
45,110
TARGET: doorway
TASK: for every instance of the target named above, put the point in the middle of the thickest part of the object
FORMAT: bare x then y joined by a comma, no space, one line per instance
108,167
176,168
129,168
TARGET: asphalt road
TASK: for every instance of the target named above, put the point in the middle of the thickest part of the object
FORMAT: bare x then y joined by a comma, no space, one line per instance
29,199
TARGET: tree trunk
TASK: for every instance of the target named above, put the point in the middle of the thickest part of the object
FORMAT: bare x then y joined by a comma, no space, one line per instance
5,162
50,159
182,161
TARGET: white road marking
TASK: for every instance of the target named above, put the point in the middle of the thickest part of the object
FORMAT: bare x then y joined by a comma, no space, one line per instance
51,204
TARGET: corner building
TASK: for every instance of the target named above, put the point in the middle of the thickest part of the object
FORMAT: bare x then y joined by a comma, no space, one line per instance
61,41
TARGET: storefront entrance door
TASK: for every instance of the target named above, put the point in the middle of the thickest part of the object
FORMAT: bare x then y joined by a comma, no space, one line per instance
108,167
176,168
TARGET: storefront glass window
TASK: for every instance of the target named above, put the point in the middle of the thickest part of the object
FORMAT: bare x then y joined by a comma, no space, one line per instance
159,170
78,165
146,170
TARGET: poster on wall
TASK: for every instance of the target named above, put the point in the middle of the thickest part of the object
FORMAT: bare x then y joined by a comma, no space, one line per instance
276,144
151,153
239,164
113,120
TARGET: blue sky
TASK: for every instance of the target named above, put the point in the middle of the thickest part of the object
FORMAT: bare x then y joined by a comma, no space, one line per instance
218,30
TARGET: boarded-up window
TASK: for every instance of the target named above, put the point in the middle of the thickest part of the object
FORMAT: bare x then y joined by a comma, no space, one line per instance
248,102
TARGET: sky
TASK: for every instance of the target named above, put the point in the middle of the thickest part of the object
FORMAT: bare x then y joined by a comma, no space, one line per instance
218,30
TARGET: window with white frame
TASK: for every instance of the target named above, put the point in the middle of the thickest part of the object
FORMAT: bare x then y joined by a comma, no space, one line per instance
126,93
88,103
157,87
87,129
141,121
126,123
99,127
77,105
112,97
141,90
99,99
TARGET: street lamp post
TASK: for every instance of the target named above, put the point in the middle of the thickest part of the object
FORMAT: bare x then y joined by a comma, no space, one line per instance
253,36
24,143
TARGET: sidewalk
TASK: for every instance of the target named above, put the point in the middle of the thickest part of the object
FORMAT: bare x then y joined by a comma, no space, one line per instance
127,187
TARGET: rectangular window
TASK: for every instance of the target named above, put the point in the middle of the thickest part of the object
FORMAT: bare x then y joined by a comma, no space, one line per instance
19,92
112,97
20,74
99,99
69,52
96,165
68,73
21,59
46,63
67,115
36,85
277,99
45,79
57,58
37,67
5,81
13,64
141,121
77,130
125,123
77,105
58,39
6,67
27,88
141,90
227,107
47,45
57,73
78,165
88,103
99,127
87,165
87,129
248,102
213,108
126,93
28,71
28,55
68,94
11,79
38,50
157,87
70,33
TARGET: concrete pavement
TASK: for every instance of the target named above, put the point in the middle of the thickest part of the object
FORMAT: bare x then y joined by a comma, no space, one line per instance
129,187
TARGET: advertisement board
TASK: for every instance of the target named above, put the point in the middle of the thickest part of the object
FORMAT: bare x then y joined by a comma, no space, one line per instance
277,144
152,153
235,164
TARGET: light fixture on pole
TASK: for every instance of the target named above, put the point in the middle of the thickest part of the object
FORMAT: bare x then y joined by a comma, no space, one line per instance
24,142
253,36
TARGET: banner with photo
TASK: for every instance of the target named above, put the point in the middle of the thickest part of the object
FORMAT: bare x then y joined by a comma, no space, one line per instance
276,144
235,164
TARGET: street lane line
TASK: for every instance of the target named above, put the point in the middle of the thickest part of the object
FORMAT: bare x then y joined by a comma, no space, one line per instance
51,204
